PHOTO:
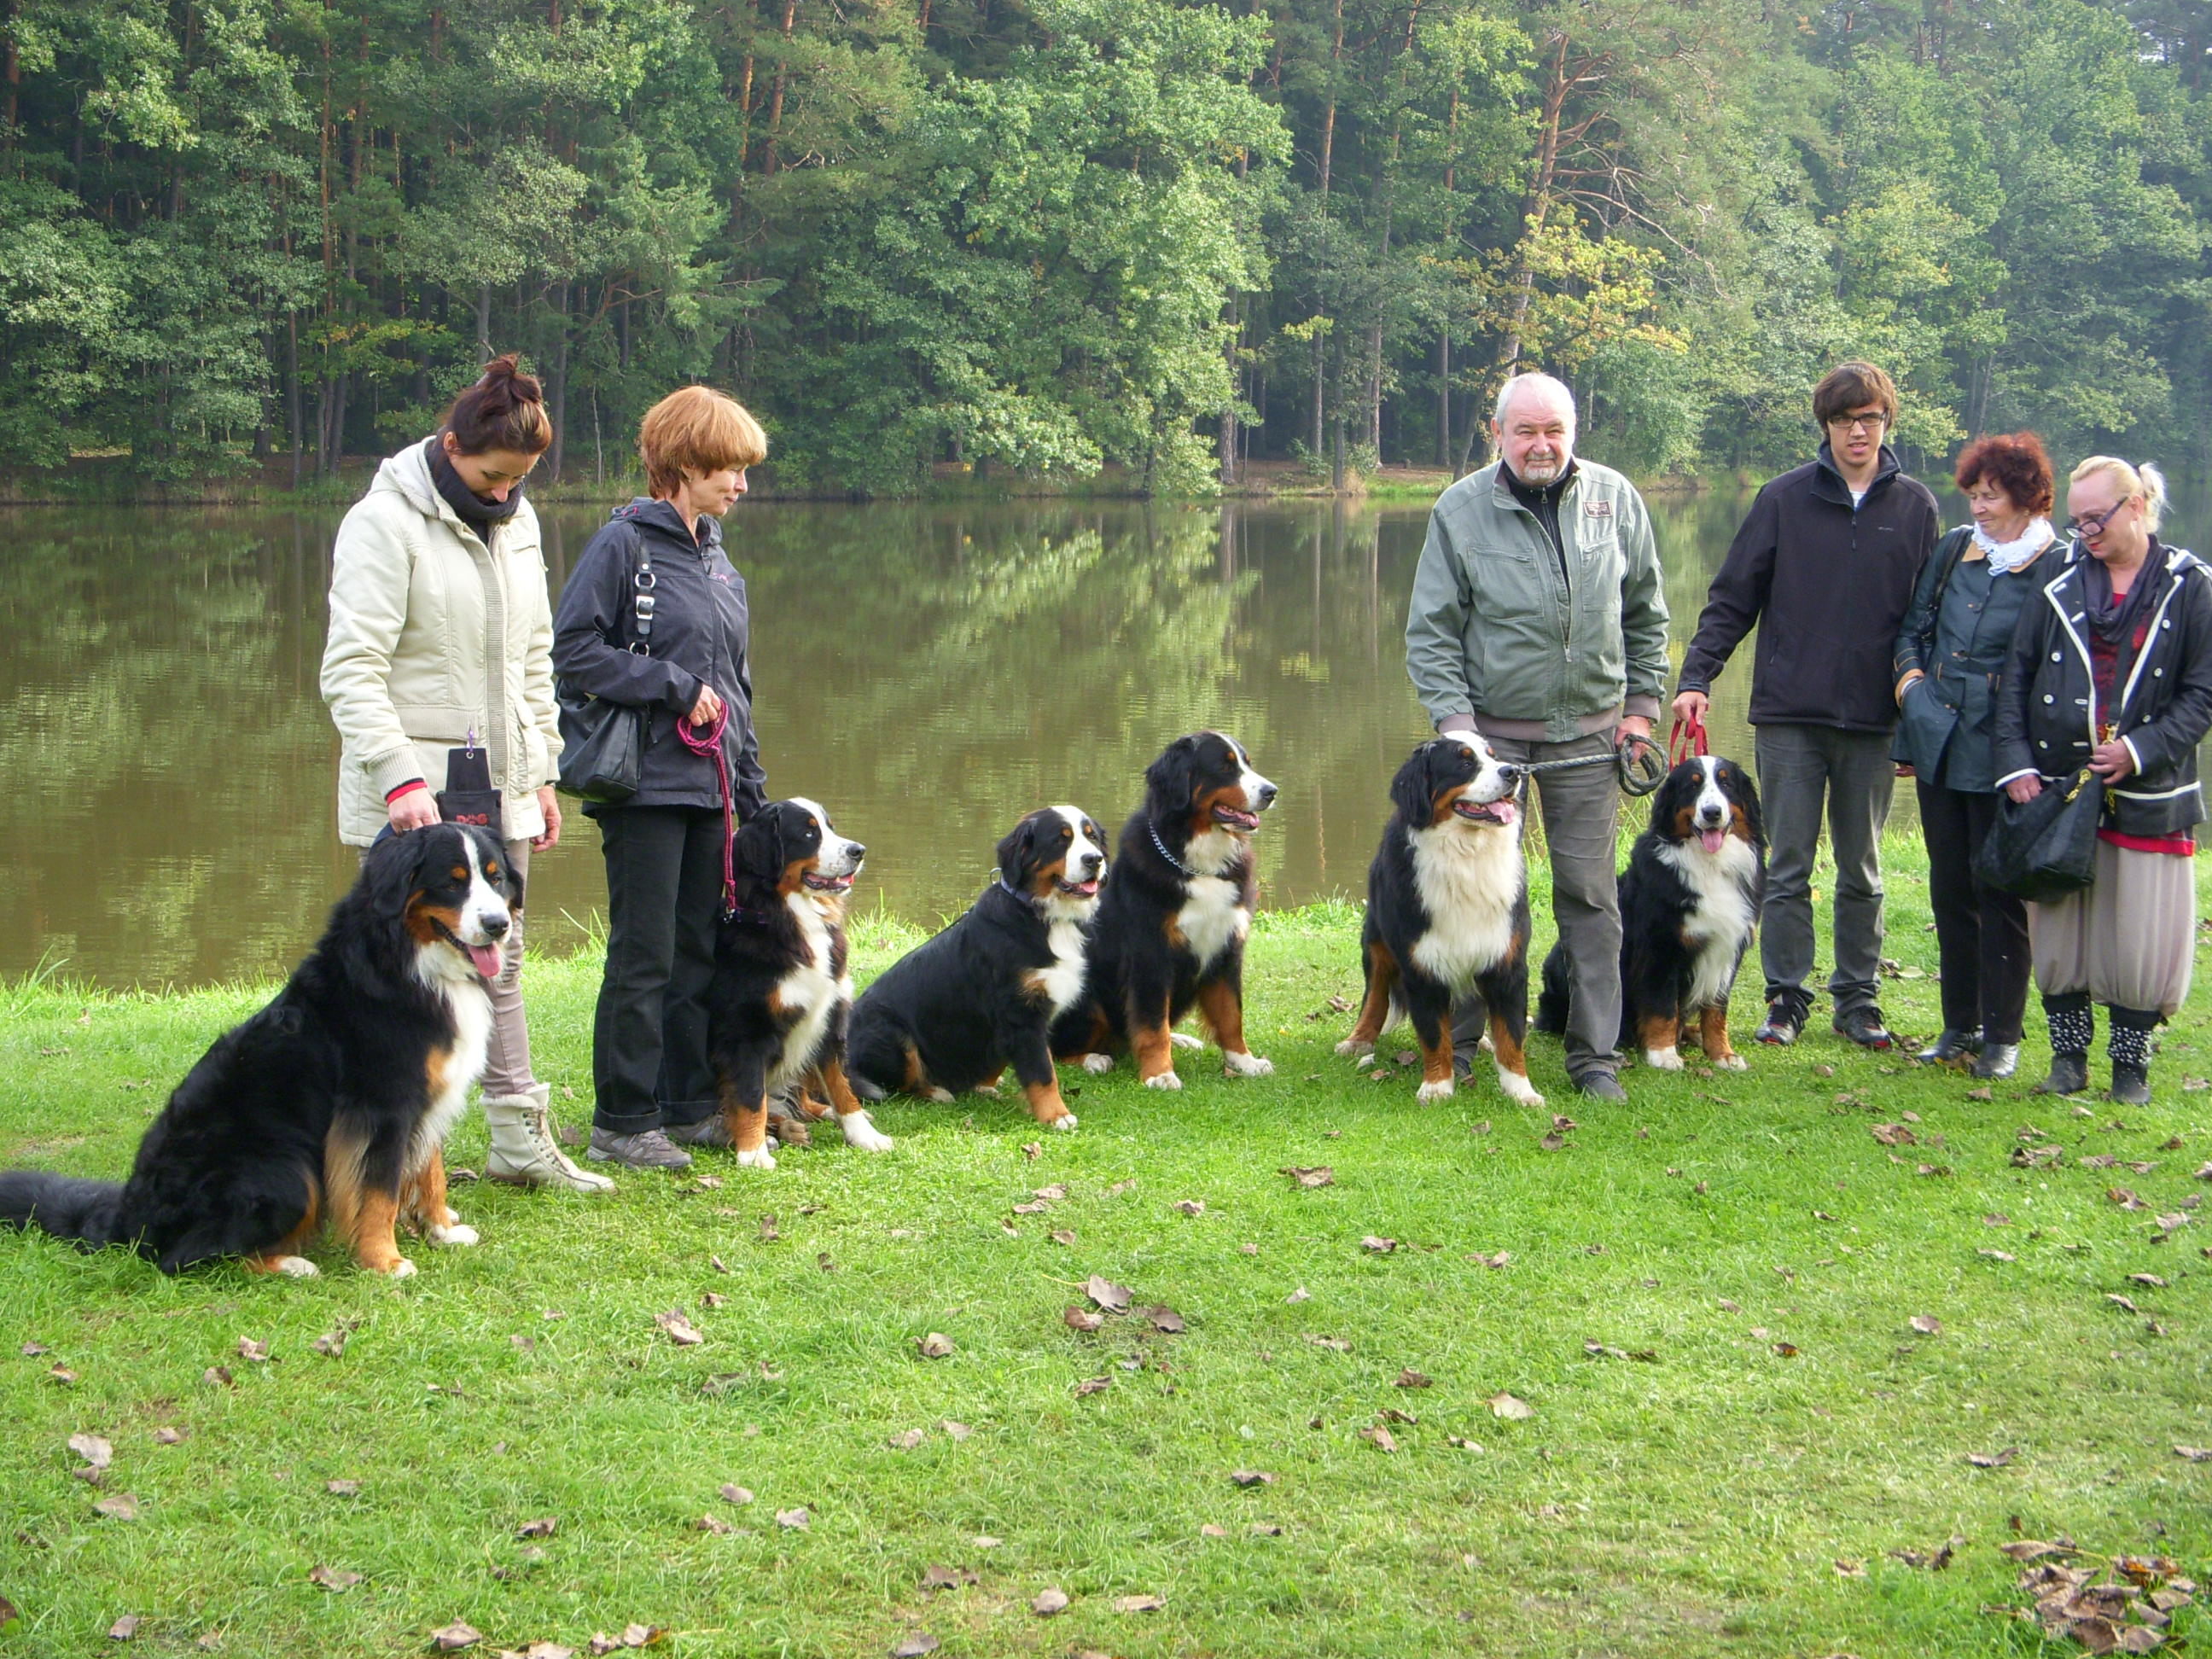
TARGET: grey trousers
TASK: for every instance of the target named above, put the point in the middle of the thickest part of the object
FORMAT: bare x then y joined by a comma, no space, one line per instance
1581,814
1802,769
507,1053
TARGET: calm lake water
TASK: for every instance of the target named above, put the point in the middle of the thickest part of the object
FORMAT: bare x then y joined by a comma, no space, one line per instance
167,770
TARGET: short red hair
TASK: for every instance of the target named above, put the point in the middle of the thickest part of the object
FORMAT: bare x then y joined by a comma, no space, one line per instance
696,429
2015,463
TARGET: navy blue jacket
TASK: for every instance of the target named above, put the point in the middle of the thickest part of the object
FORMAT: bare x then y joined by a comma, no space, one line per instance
1946,721
700,637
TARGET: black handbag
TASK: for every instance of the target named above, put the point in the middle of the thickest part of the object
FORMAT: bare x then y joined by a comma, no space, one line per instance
2045,848
603,746
468,796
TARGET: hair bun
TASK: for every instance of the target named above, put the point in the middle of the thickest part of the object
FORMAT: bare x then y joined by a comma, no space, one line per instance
504,410
505,374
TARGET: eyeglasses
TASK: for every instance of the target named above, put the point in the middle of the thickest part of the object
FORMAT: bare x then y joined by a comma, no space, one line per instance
2090,526
1858,423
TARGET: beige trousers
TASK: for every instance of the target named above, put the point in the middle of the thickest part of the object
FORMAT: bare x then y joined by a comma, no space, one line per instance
2129,940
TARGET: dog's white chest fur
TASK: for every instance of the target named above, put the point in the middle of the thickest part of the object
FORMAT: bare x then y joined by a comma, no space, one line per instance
470,1005
1469,881
810,991
1062,982
1720,920
1212,914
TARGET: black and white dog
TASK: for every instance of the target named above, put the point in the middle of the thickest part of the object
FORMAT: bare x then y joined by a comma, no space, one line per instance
782,992
330,1105
953,1014
1448,913
1171,924
1689,904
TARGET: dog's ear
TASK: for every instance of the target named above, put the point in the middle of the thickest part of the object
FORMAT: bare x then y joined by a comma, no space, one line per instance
1173,778
1014,853
511,881
394,869
1410,792
1746,792
759,847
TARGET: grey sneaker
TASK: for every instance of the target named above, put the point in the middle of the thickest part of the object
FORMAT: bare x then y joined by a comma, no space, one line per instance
1601,1085
708,1131
1785,1019
1863,1026
649,1149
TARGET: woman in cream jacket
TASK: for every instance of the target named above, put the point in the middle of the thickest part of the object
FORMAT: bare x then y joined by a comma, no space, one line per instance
440,637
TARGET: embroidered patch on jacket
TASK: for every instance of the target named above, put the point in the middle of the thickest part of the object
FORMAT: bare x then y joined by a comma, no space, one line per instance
1600,509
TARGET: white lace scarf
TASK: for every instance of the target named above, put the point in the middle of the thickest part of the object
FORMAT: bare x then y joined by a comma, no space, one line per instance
2006,557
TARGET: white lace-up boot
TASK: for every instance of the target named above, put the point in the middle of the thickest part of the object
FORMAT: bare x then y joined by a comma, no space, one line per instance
524,1151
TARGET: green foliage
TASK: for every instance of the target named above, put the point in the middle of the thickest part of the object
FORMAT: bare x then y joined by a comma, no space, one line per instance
1049,237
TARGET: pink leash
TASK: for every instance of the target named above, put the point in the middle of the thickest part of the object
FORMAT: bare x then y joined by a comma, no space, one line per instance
708,740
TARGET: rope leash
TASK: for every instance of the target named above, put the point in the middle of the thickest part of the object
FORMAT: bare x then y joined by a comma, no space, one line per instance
1637,758
708,739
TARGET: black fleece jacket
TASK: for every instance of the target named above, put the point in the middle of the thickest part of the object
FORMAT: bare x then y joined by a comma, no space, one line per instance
701,636
1827,585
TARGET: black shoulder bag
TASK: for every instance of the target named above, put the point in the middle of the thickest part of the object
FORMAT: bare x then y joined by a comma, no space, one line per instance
603,759
2047,847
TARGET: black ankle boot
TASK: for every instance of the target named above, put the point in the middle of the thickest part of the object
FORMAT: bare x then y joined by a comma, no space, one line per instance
2129,1048
1953,1047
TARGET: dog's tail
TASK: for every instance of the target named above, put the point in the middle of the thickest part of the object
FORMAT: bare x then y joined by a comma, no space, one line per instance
1553,1001
89,1211
868,1089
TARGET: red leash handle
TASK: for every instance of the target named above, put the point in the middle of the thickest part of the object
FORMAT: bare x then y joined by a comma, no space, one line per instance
1687,740
708,740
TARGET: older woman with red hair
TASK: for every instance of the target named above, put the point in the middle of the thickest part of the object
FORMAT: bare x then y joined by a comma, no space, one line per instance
1950,653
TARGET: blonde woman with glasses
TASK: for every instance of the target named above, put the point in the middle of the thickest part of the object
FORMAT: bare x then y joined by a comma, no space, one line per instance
2112,670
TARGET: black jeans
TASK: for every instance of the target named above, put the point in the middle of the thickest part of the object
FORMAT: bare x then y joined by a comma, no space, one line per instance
649,1064
1981,933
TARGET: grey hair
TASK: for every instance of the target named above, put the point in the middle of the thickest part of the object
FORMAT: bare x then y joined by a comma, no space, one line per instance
2145,480
1540,382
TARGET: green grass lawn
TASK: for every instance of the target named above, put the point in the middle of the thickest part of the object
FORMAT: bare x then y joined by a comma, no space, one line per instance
1739,1491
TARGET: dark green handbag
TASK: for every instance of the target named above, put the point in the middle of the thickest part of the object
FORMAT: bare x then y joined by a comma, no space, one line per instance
2045,848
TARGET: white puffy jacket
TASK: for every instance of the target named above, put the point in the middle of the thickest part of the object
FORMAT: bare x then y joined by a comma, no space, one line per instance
433,635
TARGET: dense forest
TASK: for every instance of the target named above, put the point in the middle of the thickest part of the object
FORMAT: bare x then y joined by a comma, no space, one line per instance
1047,236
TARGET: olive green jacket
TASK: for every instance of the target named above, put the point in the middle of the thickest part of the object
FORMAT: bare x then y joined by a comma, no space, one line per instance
1496,632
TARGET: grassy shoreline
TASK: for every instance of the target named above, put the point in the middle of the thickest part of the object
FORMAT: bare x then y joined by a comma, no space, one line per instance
1697,1503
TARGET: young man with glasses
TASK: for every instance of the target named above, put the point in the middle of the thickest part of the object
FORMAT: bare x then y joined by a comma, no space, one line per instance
1825,565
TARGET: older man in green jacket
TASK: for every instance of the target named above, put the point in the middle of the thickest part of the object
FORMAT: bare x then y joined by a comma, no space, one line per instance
1538,619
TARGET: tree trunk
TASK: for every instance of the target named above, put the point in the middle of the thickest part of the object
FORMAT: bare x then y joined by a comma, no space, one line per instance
1444,397
1226,450
560,389
484,353
292,389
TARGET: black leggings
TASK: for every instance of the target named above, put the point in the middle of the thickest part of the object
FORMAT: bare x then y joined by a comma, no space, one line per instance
649,1064
1981,933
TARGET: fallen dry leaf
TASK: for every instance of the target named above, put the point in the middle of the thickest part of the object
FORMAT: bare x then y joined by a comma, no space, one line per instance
935,1345
217,1376
332,1344
2194,1453
2151,1280
1049,1602
1189,1206
1504,1405
1082,1319
1334,1344
333,1578
543,1527
797,1520
1894,1134
121,1630
1301,1294
250,1350
939,1577
343,1488
1063,1236
1163,1319
713,1299
733,1493
1091,1385
1321,1175
1252,1477
2122,1302
1850,1569
1383,1438
1926,1324
1410,1378
1035,1207
1999,1256
456,1635
718,1264
1993,1460
95,1451
713,1524
1375,1246
1110,1296
2032,1549
1554,1143
1138,1604
121,1506
681,1331
908,1440
1727,1306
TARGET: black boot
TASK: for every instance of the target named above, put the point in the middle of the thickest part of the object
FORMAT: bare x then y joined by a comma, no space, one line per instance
2129,1047
1953,1047
2072,1025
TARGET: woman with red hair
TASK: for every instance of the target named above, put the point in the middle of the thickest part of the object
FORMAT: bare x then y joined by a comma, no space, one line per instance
1950,653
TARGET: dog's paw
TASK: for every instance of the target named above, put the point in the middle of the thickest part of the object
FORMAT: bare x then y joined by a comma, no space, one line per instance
990,1091
759,1159
1185,1040
1065,1121
1440,1090
1164,1080
459,1233
1732,1061
1663,1059
1234,1065
1518,1088
942,1096
1357,1050
401,1268
297,1267
1098,1065
861,1132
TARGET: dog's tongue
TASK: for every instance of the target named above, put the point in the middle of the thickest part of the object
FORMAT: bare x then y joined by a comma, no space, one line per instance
1712,839
486,958
1507,812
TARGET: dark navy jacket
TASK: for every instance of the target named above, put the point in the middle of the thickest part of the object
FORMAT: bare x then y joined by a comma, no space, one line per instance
700,637
1961,642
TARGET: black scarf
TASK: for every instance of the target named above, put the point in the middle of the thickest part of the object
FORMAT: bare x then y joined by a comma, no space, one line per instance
2113,621
480,515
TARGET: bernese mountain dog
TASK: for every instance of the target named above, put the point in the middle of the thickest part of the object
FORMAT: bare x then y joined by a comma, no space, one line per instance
1448,913
332,1102
1172,918
782,992
953,1015
1689,904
